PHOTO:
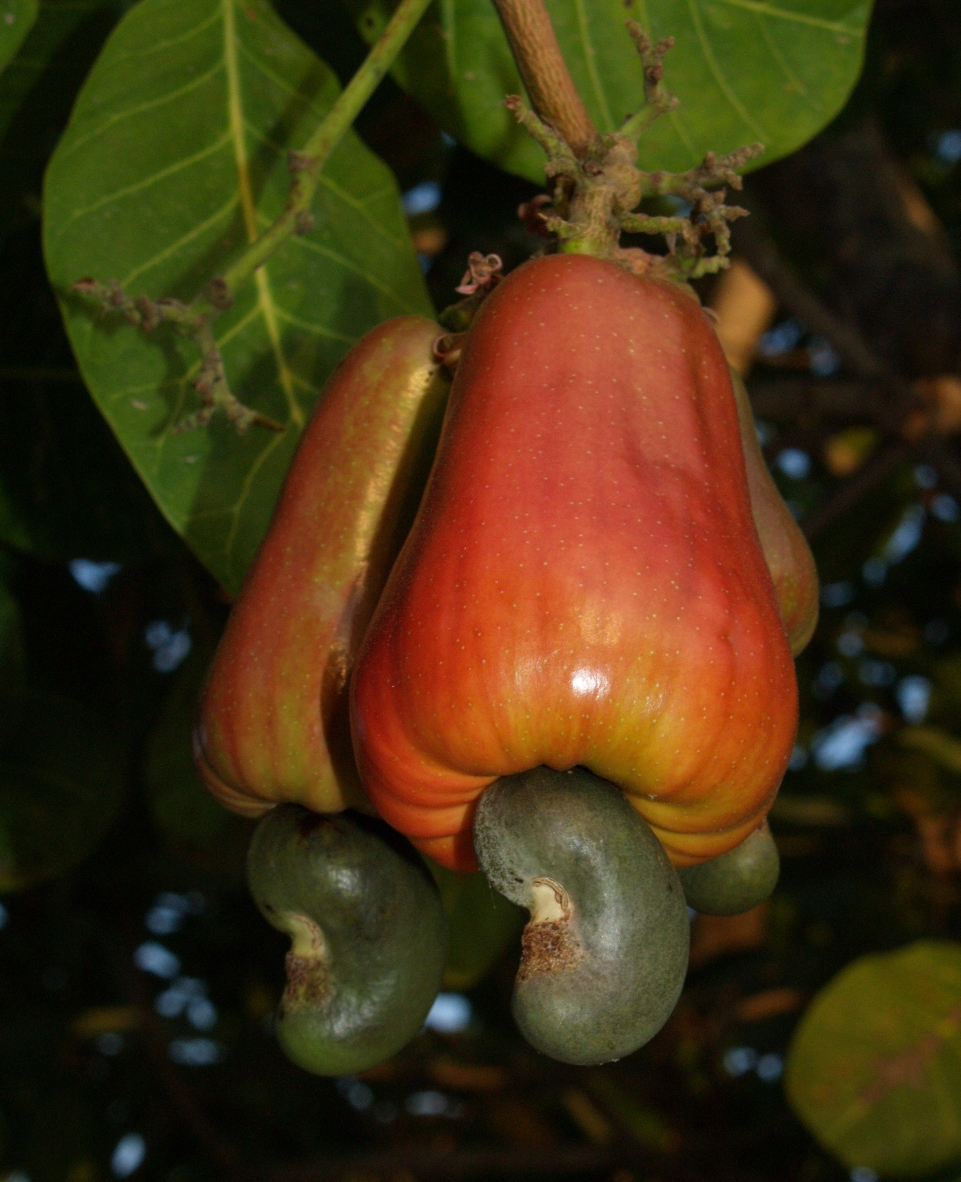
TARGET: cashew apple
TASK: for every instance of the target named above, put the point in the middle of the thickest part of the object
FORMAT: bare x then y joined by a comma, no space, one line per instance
583,584
273,718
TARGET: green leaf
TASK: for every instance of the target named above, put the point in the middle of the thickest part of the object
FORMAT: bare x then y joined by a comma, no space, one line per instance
875,1067
37,91
481,926
174,158
16,21
60,787
744,70
54,21
194,825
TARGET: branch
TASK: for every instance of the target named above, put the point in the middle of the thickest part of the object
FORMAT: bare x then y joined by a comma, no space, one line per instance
480,1162
791,399
307,164
879,466
544,72
658,100
594,203
802,303
195,320
889,412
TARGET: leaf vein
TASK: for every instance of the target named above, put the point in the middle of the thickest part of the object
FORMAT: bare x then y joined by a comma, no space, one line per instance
317,329
149,105
722,82
163,46
353,269
236,114
794,81
797,17
249,476
162,255
146,182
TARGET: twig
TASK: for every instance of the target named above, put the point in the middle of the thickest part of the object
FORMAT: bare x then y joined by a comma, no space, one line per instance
884,461
595,197
889,412
713,170
307,164
544,72
562,160
195,320
709,213
802,303
479,1162
794,398
657,99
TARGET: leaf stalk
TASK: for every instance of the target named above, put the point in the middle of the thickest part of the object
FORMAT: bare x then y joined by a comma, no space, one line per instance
307,164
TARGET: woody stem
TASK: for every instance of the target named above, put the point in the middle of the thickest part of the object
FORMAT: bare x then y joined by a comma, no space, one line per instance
544,72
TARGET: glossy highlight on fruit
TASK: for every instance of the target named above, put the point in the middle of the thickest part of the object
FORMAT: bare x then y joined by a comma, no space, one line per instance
605,952
368,935
583,584
273,721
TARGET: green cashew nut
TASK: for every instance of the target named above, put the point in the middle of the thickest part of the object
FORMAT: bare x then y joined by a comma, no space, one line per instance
735,881
368,935
605,951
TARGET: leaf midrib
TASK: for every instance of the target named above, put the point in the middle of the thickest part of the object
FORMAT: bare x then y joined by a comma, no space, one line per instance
800,18
265,299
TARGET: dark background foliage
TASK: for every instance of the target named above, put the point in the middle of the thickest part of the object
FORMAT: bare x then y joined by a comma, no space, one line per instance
137,980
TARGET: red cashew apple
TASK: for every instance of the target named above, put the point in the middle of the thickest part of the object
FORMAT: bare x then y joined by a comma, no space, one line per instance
273,721
583,583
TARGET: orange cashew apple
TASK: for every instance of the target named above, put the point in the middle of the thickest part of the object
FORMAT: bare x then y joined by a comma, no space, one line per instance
584,582
273,718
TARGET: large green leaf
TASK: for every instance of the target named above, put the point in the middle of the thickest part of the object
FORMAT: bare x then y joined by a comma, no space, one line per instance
38,89
175,156
60,786
53,23
875,1066
16,20
744,70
